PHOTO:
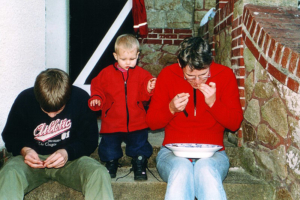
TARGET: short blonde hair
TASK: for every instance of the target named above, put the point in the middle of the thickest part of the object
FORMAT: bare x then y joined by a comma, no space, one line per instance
127,41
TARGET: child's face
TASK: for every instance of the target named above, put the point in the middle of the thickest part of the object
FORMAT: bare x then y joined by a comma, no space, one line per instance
126,57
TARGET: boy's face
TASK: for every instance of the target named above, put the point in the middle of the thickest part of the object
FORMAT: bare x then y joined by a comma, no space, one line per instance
53,114
126,57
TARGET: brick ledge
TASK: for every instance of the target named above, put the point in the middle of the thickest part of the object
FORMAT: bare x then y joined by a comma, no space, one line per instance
279,59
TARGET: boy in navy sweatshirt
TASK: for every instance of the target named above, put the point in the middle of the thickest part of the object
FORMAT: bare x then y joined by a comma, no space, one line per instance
51,132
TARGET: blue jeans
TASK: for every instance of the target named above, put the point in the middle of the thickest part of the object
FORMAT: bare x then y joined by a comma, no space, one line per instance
187,181
136,144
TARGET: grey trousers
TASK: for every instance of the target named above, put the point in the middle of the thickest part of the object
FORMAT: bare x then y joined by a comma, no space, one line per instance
84,174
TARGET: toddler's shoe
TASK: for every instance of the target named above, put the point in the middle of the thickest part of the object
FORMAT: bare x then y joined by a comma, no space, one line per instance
139,165
112,167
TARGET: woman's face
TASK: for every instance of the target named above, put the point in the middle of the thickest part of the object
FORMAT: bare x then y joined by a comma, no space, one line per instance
196,77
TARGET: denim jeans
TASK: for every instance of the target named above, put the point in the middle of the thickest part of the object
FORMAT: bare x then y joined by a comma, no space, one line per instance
136,144
84,174
187,181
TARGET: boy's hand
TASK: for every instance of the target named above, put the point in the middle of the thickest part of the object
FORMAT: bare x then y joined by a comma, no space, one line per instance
179,102
95,102
57,159
31,158
151,84
209,92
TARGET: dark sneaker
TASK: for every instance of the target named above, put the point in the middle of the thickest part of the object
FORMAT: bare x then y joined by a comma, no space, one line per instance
112,167
139,165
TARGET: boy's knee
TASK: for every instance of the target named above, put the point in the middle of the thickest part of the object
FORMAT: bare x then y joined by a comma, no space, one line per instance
12,170
101,172
95,168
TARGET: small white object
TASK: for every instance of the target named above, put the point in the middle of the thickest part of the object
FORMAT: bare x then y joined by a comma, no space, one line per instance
208,16
193,150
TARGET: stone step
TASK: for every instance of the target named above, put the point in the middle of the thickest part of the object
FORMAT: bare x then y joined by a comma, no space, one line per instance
238,186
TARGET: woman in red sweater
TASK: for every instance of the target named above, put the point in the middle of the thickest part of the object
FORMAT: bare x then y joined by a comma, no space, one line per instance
194,100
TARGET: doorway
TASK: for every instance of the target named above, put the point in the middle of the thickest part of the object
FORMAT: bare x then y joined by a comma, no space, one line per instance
89,23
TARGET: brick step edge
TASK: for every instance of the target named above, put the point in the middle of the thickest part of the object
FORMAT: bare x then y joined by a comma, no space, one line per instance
238,185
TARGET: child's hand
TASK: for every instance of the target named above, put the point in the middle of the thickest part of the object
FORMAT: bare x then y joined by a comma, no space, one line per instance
151,84
95,102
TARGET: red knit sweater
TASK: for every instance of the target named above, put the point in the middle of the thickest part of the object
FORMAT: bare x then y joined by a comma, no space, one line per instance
209,123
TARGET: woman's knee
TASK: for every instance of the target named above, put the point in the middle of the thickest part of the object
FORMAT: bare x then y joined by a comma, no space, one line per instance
182,170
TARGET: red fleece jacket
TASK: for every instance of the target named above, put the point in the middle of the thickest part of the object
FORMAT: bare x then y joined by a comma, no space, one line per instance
121,100
209,123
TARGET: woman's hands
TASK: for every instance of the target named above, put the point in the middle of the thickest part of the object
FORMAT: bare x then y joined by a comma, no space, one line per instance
209,92
179,102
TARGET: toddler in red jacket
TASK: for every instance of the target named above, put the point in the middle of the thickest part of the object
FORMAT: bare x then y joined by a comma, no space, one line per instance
119,90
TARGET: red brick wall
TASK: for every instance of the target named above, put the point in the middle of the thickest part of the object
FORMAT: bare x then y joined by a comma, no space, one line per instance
222,21
273,38
166,36
270,33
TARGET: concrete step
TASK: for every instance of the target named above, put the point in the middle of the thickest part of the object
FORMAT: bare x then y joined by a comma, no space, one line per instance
128,189
238,186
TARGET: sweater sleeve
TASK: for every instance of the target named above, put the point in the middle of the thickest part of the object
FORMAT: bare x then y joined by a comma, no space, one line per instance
15,130
158,114
227,107
97,92
86,136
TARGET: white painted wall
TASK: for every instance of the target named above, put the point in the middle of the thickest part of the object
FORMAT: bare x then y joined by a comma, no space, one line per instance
57,34
23,33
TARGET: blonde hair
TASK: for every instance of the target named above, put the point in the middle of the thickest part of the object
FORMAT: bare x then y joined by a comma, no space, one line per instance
127,41
52,89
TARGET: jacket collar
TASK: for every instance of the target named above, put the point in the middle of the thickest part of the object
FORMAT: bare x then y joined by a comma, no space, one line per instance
115,65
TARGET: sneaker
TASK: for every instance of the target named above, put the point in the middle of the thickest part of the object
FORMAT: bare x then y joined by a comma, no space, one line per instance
112,167
139,165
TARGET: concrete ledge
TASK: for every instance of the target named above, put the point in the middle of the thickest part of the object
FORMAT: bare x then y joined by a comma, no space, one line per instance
238,185
128,189
52,190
